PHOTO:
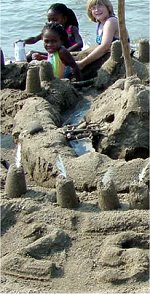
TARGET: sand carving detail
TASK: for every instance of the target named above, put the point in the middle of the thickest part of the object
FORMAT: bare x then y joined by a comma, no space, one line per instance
33,261
124,256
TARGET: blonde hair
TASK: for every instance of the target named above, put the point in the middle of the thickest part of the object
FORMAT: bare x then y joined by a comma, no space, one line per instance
92,3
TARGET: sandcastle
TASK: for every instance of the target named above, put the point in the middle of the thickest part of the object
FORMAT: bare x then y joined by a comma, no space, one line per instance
107,69
33,84
116,51
46,71
43,72
139,196
15,181
144,49
107,196
41,251
65,193
36,74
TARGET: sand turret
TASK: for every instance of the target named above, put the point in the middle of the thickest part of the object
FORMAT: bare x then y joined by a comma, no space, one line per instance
46,71
144,50
15,181
33,84
65,193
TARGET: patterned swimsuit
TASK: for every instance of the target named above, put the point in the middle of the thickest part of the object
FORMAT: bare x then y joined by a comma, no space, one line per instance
60,70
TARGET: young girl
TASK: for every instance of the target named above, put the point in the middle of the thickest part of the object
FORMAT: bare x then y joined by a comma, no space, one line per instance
101,11
55,38
65,16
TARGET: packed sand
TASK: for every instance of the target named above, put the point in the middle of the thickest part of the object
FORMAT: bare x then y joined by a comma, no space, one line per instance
93,247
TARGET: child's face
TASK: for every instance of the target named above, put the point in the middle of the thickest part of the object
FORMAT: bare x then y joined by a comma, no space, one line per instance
56,17
52,41
100,12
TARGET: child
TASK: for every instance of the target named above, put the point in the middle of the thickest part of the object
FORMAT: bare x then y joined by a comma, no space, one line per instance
65,16
55,38
101,11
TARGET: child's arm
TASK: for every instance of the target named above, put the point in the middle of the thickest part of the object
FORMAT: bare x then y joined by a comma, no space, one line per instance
79,42
39,56
32,40
67,59
109,29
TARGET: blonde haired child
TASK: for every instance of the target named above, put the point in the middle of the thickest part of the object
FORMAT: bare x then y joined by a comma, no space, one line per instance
92,3
101,12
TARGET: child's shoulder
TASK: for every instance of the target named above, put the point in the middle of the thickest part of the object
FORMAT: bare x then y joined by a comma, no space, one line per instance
111,22
62,49
112,19
71,28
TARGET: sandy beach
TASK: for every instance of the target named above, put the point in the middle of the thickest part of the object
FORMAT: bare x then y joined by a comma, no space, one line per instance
98,241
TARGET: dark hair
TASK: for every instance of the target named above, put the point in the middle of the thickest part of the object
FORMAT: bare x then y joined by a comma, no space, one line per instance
64,10
58,29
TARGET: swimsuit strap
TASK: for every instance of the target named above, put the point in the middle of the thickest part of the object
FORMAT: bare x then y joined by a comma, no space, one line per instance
99,37
69,30
71,39
97,29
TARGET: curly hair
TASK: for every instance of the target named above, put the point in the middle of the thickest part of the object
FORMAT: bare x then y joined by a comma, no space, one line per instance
65,11
58,29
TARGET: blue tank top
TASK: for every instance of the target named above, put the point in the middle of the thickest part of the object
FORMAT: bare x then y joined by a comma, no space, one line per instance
99,37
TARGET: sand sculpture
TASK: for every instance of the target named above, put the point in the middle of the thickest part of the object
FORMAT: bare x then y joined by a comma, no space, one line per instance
101,241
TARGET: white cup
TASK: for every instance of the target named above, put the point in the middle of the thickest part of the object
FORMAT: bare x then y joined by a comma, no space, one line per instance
20,54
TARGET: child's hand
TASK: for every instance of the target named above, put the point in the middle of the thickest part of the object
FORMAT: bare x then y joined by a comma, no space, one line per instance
19,41
36,56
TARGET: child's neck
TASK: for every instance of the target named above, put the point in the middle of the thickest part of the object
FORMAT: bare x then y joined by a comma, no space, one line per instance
55,50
